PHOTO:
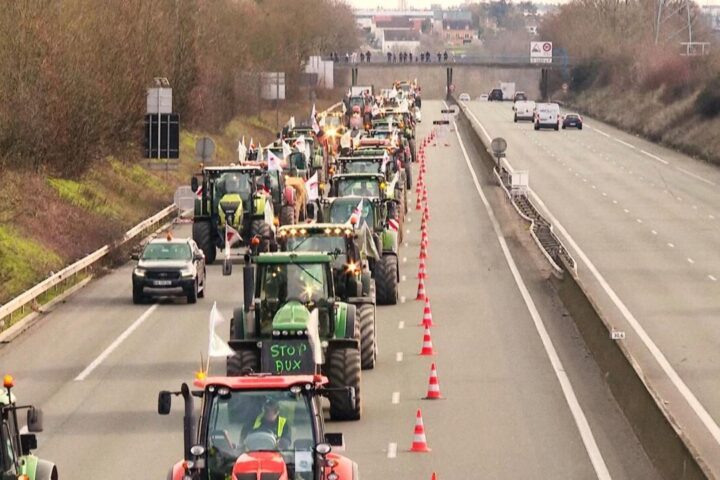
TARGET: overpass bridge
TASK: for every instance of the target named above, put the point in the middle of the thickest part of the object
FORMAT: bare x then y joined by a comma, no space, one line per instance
474,75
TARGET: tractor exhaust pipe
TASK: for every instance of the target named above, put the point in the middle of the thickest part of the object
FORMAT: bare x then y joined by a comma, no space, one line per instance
188,421
248,283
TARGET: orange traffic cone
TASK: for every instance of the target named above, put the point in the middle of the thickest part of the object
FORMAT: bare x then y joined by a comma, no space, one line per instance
427,320
426,212
421,290
419,441
433,392
423,251
418,203
424,236
422,270
434,477
427,346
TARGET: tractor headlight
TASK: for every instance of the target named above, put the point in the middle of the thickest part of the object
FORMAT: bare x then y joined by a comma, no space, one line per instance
276,333
139,272
187,272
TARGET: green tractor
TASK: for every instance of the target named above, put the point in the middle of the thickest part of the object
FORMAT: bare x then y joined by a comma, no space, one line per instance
352,250
16,460
373,213
236,196
289,300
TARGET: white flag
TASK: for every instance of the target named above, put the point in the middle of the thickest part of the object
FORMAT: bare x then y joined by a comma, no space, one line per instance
217,347
273,162
346,140
386,159
311,186
300,143
286,149
356,214
291,123
313,328
242,150
231,236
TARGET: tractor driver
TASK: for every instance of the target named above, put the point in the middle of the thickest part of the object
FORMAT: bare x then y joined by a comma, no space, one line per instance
270,421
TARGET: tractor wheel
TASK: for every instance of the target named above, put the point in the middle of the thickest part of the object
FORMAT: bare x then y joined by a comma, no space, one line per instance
368,347
242,362
386,280
138,296
202,234
342,369
192,295
262,230
287,215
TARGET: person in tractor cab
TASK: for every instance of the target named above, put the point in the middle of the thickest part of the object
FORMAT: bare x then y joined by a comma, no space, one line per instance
270,421
356,121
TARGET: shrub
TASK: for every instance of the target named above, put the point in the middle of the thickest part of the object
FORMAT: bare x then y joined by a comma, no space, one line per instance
708,101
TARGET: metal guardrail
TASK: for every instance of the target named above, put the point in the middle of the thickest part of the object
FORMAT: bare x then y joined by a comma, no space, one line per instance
28,299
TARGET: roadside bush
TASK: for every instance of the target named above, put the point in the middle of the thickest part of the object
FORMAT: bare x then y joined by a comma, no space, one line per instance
708,101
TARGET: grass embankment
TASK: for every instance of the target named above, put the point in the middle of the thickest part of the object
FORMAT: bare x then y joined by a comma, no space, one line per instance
657,116
48,222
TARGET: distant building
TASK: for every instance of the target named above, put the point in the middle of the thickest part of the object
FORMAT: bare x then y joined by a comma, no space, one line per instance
458,32
404,40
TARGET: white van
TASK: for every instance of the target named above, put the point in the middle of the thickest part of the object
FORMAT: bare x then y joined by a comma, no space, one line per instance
524,110
547,115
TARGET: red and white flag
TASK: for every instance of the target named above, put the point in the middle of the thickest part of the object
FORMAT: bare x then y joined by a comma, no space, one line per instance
312,186
356,214
231,236
313,119
393,224
199,191
386,159
273,162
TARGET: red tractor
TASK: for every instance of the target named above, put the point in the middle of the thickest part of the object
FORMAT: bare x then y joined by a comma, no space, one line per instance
258,427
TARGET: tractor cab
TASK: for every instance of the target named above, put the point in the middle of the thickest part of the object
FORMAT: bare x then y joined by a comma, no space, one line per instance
258,426
16,459
234,196
363,185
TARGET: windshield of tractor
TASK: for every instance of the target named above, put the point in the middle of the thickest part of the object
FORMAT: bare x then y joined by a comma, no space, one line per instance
233,183
305,282
243,421
340,212
317,243
167,251
364,166
360,187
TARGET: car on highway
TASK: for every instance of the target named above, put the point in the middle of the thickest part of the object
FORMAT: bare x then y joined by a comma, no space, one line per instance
547,115
524,110
169,266
572,120
464,97
495,94
483,97
520,96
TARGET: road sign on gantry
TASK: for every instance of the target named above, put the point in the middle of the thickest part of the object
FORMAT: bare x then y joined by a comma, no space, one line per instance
541,52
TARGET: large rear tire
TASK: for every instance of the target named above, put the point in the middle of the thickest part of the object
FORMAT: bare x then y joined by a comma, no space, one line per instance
386,280
342,369
368,345
202,234
287,215
243,362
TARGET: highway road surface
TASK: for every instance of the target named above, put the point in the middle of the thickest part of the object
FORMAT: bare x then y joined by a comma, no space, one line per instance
643,223
523,398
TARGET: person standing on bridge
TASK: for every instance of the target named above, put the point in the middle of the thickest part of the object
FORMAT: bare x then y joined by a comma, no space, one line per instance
367,56
394,57
389,57
410,54
445,56
362,57
427,57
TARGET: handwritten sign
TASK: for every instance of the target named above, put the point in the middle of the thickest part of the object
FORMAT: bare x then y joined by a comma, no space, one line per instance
287,357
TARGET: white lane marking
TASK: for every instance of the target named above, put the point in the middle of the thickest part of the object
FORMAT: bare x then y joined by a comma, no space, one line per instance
660,358
392,450
690,260
615,202
401,324
402,299
654,232
404,259
670,245
695,176
626,210
106,353
624,143
395,398
712,277
711,217
399,356
600,132
604,194
482,127
694,207
403,278
679,199
638,220
655,157
577,412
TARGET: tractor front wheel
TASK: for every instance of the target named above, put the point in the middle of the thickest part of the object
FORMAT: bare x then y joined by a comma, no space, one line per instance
261,229
202,234
368,345
243,362
343,370
287,215
386,280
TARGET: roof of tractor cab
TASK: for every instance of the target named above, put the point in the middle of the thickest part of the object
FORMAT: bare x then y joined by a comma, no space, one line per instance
233,168
376,176
259,382
292,257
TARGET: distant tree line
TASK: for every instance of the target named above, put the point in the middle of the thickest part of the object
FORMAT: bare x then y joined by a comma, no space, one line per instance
73,73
